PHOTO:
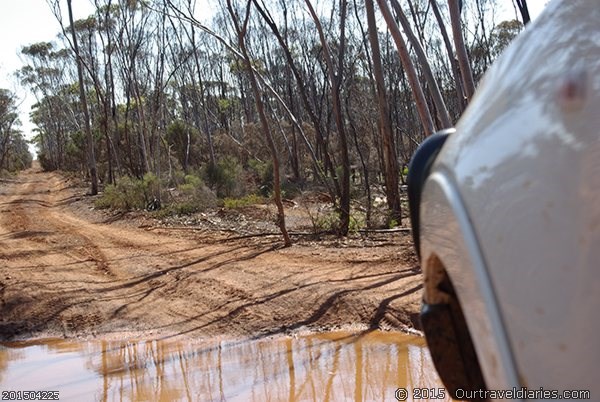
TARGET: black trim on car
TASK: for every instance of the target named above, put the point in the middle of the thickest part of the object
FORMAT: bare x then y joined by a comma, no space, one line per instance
418,170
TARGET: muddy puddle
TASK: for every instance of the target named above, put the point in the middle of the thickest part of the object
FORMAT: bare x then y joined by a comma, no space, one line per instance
321,367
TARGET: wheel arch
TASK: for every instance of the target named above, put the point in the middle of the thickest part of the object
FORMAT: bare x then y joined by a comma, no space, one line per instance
449,246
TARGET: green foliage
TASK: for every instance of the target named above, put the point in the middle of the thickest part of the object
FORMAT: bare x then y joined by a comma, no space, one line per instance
356,223
40,49
224,105
17,155
116,196
193,197
224,177
263,171
5,174
250,199
45,161
129,193
503,34
151,186
197,194
330,222
177,137
238,66
178,208
14,152
290,189
191,183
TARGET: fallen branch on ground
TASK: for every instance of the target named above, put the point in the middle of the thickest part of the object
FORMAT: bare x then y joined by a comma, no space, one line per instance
266,234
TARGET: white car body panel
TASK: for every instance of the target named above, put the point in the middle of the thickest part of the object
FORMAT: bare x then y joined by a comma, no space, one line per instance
525,162
447,234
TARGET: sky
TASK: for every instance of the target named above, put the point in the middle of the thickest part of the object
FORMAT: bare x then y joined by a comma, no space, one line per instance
23,22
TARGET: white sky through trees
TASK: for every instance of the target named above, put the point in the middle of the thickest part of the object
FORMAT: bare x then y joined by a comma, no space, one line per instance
23,22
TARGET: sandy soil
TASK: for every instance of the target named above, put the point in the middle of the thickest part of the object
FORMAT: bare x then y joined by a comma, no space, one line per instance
68,271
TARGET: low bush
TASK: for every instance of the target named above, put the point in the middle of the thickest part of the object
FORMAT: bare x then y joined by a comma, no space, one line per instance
192,196
224,177
129,193
195,196
234,203
330,222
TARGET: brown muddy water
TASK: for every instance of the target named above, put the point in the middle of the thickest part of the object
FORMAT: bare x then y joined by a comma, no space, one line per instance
337,366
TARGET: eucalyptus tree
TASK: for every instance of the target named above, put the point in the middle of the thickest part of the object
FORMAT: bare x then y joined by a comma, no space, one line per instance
49,76
389,149
105,15
458,85
300,88
407,63
241,27
524,10
432,84
132,48
91,153
461,50
198,77
335,73
14,154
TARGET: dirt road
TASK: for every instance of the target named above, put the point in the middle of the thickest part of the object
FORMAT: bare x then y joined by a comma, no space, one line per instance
65,274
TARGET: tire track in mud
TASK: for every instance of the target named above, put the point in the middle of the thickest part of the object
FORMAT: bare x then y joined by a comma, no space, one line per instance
35,220
61,273
28,216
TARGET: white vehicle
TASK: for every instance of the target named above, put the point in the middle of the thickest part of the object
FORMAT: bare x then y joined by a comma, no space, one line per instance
506,218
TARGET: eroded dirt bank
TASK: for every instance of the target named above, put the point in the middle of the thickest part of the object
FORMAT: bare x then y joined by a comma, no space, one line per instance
67,273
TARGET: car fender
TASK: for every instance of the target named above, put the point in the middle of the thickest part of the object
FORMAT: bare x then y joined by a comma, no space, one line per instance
512,206
447,236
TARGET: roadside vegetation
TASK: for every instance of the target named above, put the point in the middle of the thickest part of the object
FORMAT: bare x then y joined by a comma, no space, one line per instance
266,101
14,152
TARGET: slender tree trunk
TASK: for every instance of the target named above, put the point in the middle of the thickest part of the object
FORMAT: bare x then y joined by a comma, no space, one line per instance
363,162
91,156
411,73
461,50
143,147
241,33
460,97
335,82
387,135
301,87
211,149
522,4
440,105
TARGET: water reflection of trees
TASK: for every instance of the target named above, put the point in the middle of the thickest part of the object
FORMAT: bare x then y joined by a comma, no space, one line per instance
354,367
6,356
329,367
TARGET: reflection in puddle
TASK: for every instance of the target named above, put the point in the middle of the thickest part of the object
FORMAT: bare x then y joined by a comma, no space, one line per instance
324,367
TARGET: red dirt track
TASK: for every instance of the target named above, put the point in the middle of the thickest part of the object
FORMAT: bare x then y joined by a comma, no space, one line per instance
65,274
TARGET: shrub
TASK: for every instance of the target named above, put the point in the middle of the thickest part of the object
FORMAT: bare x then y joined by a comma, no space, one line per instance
224,177
356,223
330,222
178,208
234,203
195,196
263,172
129,193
